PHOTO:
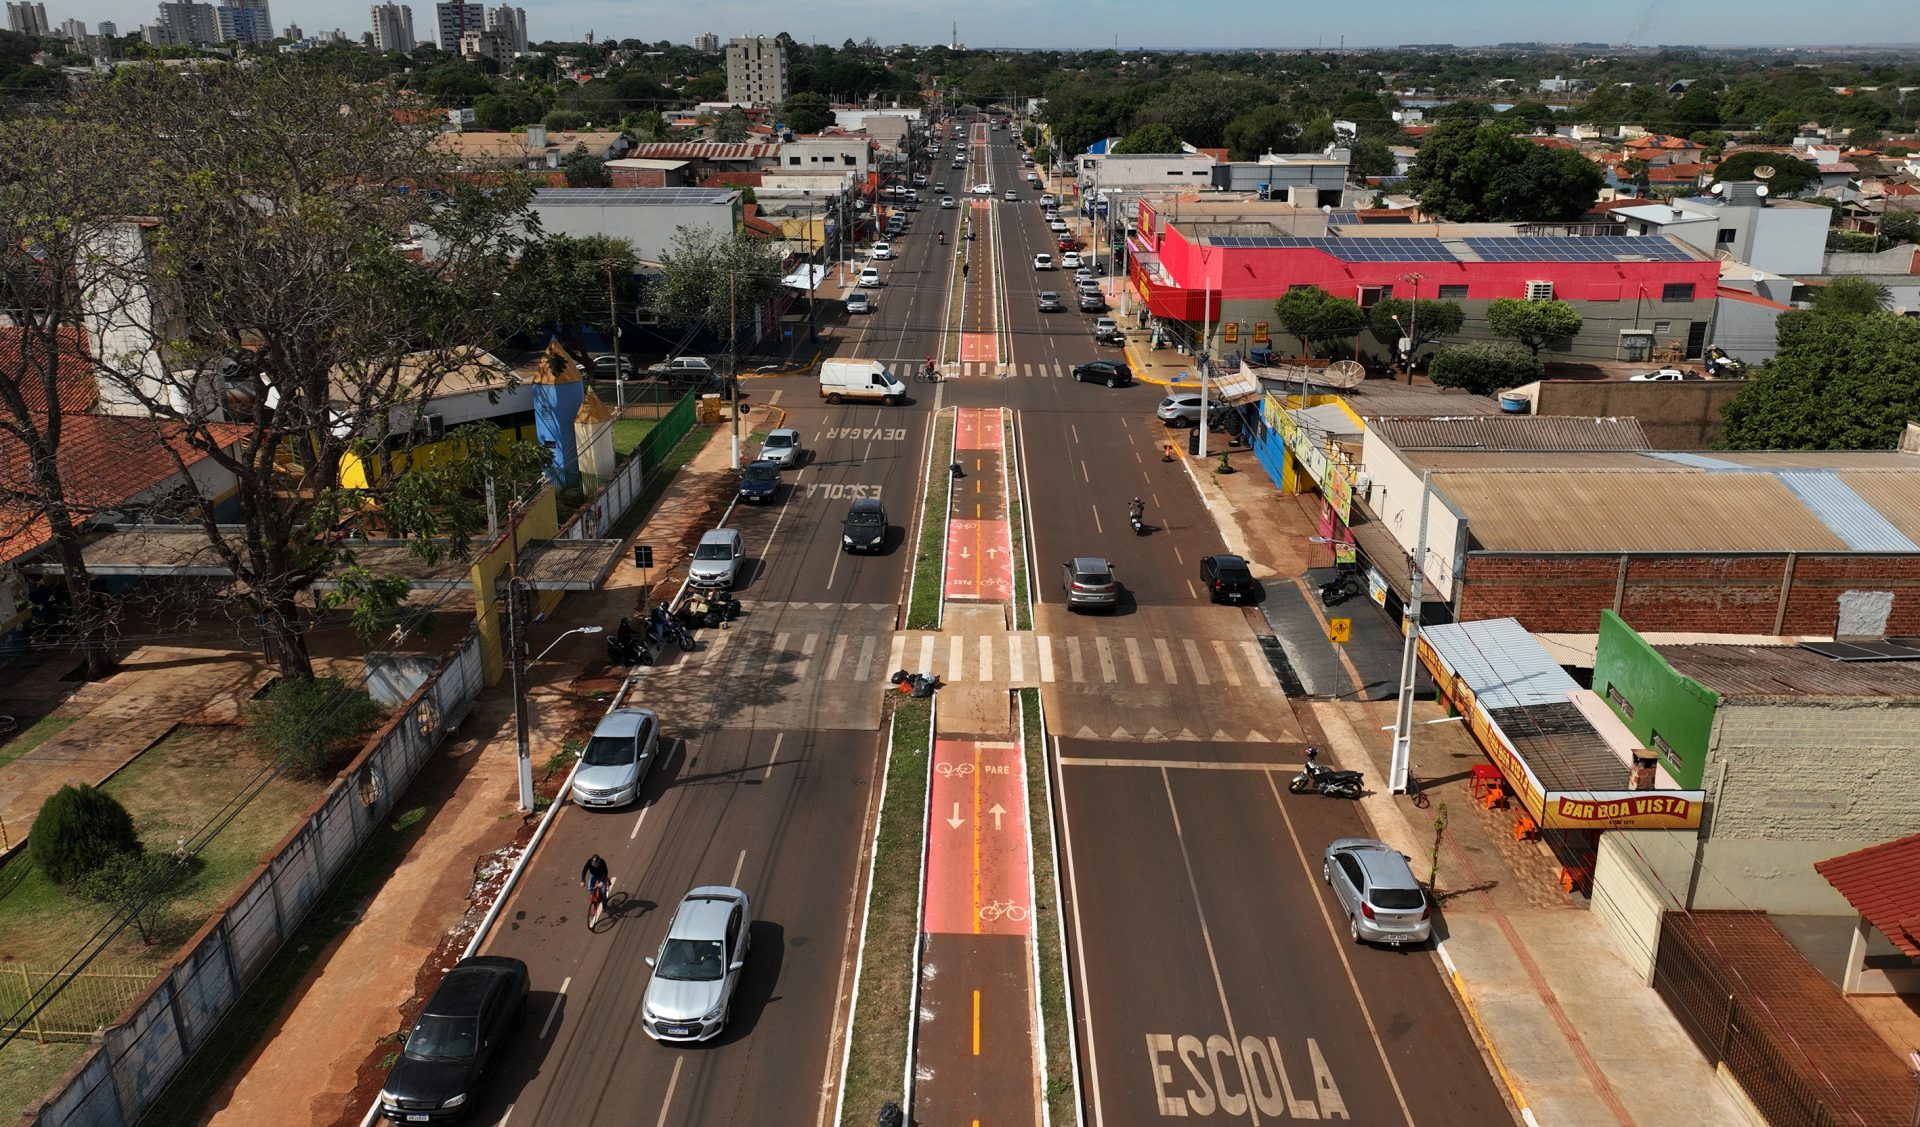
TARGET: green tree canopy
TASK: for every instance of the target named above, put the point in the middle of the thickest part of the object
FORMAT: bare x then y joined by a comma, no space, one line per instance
1467,172
1316,316
313,726
1150,138
1434,320
79,829
1484,367
1370,156
564,121
1269,129
1535,324
1791,175
503,112
1840,381
806,112
731,127
584,170
453,83
713,281
1847,294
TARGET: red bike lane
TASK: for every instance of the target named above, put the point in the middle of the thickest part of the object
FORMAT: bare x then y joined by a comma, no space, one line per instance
979,536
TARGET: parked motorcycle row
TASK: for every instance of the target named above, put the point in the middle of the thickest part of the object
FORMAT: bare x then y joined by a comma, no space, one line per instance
628,646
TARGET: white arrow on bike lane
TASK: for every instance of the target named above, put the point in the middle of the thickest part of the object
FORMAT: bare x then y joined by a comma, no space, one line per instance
956,821
996,810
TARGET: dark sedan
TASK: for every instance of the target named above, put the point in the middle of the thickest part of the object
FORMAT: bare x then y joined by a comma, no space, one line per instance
1228,579
461,1029
759,481
1113,373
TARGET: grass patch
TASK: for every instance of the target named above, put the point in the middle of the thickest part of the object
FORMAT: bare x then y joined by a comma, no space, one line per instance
171,790
661,477
923,604
629,433
184,1101
1060,1095
32,736
1022,603
877,1059
27,1070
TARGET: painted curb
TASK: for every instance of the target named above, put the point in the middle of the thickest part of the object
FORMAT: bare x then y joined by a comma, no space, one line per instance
1486,1039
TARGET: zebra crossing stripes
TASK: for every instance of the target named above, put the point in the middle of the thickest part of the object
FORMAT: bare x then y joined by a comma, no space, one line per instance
1019,658
1025,370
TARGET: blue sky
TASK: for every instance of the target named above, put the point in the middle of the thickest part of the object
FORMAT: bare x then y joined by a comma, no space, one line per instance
1137,23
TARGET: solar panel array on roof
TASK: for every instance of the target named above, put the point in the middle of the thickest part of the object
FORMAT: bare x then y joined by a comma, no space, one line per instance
1386,249
1598,248
1864,651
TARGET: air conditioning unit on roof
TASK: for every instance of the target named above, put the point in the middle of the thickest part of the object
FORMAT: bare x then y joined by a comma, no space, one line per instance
1539,291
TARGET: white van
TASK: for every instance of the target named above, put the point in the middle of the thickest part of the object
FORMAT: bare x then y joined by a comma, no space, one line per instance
841,380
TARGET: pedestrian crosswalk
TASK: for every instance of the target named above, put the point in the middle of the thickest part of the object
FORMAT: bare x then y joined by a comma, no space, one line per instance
1011,659
1024,370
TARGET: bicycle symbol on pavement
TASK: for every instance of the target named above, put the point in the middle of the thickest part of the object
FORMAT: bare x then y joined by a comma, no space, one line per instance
954,770
1002,910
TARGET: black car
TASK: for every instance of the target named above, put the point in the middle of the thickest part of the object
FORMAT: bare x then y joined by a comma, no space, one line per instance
1113,373
461,1029
865,529
759,480
1228,579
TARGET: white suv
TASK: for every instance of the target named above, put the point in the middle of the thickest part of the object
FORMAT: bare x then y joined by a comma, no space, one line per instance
1043,262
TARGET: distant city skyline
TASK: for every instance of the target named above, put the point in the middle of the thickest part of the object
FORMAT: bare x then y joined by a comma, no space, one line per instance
987,24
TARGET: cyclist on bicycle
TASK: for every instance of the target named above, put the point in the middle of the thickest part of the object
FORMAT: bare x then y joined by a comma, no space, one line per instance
593,875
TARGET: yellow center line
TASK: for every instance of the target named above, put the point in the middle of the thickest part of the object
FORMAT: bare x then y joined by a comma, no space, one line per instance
976,850
976,1033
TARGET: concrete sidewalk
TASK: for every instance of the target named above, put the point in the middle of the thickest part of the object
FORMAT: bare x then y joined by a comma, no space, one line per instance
321,1055
1568,1027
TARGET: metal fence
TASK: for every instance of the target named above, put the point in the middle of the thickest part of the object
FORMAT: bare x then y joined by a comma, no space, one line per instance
1777,1078
93,998
174,1014
605,509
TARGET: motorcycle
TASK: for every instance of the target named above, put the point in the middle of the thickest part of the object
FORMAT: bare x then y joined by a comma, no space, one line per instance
943,238
1340,589
668,627
1325,780
628,647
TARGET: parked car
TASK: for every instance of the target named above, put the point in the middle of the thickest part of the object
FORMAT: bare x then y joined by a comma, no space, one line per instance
1047,199
1043,261
1105,325
759,481
698,967
684,369
1070,261
1665,374
865,527
1113,373
461,1030
783,448
1092,301
1058,226
716,559
870,276
1183,409
883,250
859,301
1377,892
1088,582
614,764
1228,579
920,179
605,366
1050,302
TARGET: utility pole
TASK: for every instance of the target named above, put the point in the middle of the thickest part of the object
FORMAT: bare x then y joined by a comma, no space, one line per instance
1413,322
1409,655
1206,340
733,365
519,601
613,330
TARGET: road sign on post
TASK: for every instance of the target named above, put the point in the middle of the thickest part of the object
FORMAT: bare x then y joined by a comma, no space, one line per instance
1339,630
643,556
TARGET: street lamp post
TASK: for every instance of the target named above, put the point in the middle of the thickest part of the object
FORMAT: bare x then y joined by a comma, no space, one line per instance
516,586
1413,321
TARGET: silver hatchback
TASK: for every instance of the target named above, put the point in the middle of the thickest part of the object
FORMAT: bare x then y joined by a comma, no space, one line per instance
1088,582
1377,891
716,559
698,967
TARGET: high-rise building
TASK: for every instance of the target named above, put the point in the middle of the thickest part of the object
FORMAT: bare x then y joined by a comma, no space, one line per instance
709,43
452,20
486,45
756,71
109,29
393,27
245,21
510,24
187,23
75,30
28,18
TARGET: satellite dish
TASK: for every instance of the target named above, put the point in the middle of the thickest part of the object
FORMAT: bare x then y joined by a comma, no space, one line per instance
1718,189
1764,172
1761,191
1343,373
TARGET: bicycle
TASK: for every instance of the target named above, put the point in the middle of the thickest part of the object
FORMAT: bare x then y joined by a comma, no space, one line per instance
597,901
1002,909
927,375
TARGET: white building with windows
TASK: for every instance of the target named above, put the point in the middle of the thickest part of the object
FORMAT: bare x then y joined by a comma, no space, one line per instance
756,71
28,18
393,27
454,20
510,24
1778,236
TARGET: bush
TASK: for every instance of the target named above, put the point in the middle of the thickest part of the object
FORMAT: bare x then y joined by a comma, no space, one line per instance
142,884
80,829
312,725
1484,367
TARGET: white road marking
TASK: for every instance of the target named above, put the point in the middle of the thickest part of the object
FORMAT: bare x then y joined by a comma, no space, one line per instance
1262,671
806,649
1073,660
926,655
1193,661
666,1103
986,657
1167,671
780,644
637,823
1178,558
1085,995
834,655
866,658
774,757
1045,655
1133,659
1016,658
737,866
1104,649
1190,589
956,659
896,652
1226,662
560,996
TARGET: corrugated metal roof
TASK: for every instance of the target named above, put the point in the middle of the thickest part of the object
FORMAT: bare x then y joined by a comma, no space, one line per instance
1822,459
1564,749
631,197
1501,662
1846,512
1882,882
1633,511
1697,461
1895,496
1386,397
1437,460
1789,671
707,150
1328,418
1511,432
